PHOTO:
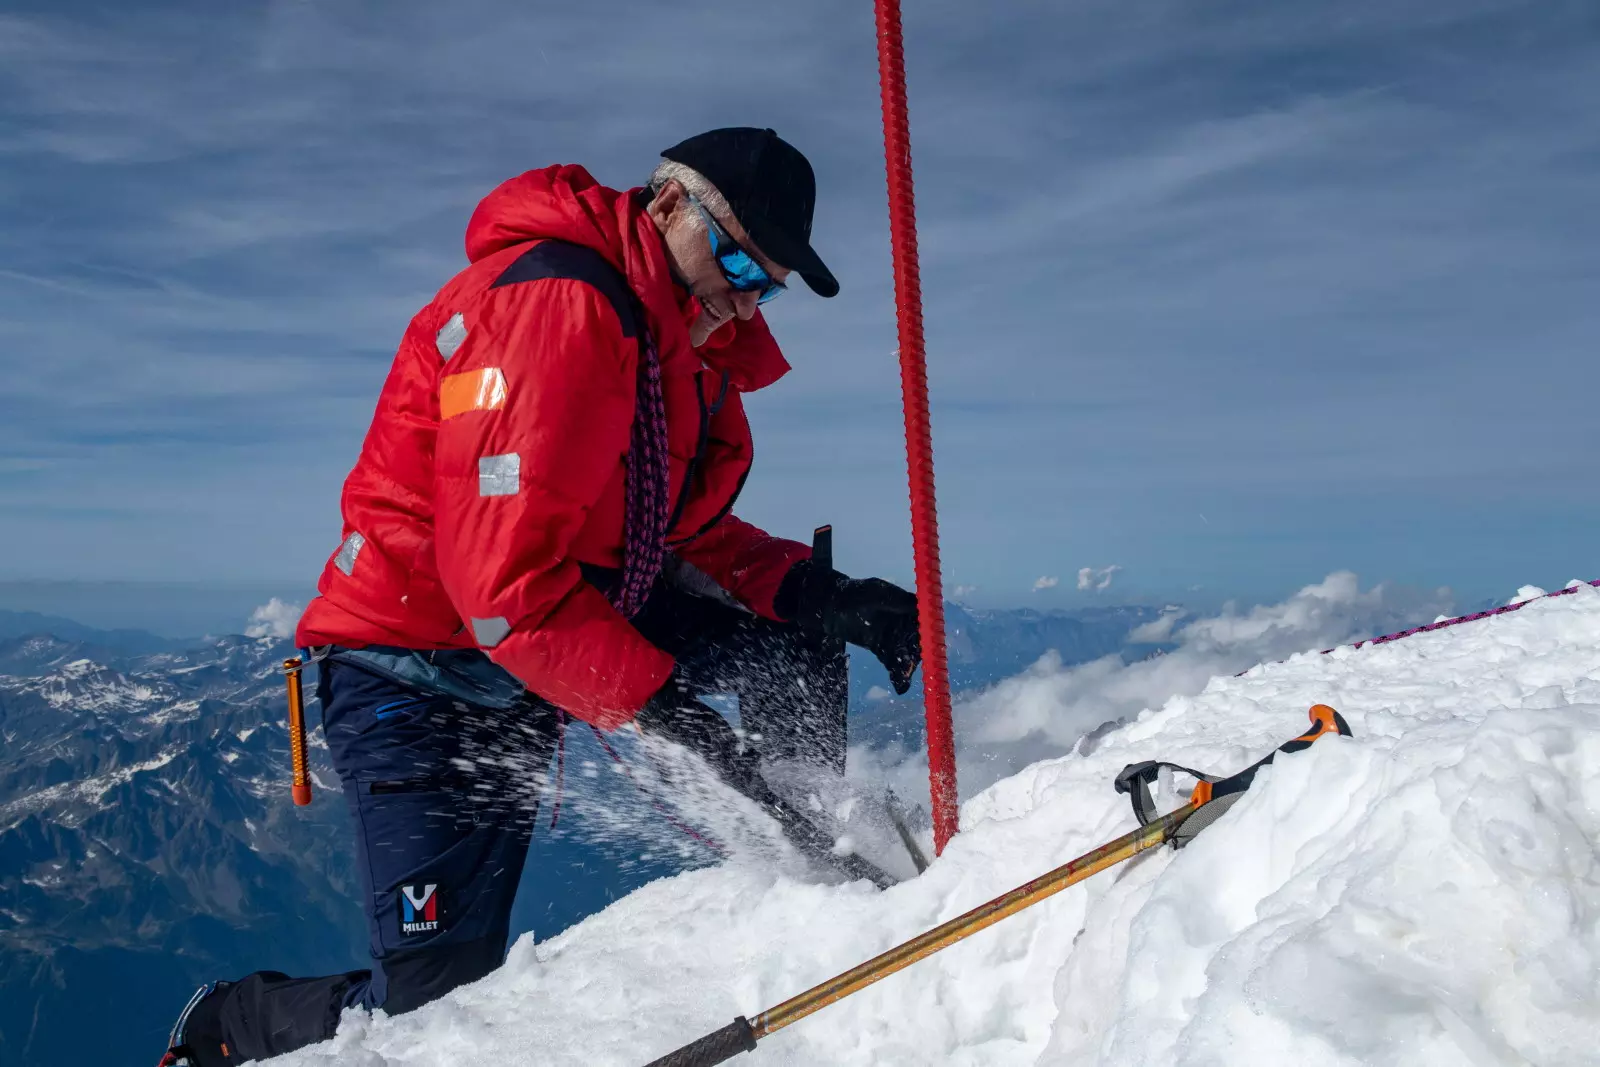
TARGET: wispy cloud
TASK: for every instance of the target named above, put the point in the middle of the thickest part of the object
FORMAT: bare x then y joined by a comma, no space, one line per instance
275,619
1177,260
1049,708
1045,581
1096,579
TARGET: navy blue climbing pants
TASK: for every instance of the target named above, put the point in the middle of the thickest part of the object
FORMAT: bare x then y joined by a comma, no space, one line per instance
444,793
443,796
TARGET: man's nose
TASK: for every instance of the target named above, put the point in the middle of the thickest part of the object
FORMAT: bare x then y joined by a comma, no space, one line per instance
744,303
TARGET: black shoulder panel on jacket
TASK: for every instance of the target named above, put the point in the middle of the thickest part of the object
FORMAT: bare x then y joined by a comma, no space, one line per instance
562,259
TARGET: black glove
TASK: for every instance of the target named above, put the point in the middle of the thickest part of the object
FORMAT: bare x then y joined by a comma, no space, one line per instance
674,714
870,612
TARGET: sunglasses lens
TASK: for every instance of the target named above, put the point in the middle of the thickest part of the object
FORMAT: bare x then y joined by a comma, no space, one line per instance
746,275
742,272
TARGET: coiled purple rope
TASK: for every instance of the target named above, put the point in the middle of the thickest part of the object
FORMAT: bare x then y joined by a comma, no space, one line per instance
648,487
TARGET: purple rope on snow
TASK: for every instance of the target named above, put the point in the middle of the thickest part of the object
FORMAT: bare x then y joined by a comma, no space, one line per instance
648,488
1474,617
1457,621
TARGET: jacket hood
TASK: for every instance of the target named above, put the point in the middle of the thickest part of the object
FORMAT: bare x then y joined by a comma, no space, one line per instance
565,203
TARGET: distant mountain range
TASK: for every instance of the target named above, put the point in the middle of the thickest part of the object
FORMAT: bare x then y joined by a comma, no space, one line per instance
114,643
148,842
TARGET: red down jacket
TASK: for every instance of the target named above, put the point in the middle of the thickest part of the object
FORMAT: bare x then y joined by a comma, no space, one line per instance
494,464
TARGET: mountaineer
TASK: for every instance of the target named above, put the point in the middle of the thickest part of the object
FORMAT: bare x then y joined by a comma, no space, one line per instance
541,524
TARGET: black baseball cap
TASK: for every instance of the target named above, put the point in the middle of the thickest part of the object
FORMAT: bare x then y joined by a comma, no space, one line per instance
770,187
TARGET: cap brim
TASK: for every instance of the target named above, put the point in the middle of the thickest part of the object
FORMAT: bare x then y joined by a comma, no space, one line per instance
796,255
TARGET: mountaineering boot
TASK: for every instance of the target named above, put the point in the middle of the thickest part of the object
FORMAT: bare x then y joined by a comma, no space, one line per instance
196,1039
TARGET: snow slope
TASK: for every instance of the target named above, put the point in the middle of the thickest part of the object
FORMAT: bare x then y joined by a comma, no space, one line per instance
1424,893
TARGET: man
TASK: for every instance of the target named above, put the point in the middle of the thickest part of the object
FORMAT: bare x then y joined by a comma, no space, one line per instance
541,524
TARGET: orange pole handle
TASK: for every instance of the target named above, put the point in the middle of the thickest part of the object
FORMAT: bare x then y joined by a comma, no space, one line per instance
1324,721
297,731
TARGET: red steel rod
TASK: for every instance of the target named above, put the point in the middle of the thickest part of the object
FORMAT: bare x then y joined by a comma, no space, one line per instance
919,434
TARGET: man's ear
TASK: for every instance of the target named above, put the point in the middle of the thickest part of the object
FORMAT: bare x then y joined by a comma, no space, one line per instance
666,202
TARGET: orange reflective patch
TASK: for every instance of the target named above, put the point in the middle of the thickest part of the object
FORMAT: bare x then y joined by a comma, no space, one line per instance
478,390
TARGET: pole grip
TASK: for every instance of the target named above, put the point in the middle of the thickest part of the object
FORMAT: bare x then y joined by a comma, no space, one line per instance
719,1046
301,789
1324,722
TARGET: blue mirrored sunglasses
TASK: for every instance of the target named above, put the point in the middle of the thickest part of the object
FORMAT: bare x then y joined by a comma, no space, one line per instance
737,265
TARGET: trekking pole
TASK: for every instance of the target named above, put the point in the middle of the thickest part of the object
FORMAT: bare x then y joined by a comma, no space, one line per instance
742,1034
297,731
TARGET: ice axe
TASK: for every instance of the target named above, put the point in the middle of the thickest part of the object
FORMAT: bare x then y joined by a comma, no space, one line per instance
742,1034
301,786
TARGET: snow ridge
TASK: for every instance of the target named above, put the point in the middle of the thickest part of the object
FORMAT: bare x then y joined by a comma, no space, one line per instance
1426,892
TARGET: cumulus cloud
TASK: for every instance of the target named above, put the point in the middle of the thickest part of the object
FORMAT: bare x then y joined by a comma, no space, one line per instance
1050,707
1045,582
1097,578
275,619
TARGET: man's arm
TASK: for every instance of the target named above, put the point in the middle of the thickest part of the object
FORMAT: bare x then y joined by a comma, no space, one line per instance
745,560
535,416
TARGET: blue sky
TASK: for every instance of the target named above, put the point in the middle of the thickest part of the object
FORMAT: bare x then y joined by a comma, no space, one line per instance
1227,295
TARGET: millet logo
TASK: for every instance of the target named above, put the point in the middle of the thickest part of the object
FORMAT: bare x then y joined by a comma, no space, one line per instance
419,911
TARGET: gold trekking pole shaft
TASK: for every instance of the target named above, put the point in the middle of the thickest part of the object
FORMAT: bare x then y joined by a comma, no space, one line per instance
1212,794
297,731
963,926
742,1034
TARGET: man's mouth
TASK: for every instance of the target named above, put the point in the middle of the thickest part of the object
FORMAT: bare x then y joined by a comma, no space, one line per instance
713,316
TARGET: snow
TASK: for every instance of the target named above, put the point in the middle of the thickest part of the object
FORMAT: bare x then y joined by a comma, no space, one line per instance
177,711
91,790
1426,892
83,685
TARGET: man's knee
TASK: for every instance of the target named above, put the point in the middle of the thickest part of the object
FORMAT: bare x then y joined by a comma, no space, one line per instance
413,979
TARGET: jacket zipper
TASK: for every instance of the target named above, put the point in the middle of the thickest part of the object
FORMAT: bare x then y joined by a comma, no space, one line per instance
706,415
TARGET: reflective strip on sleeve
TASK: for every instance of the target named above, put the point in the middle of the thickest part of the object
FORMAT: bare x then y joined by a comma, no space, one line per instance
499,475
490,632
450,336
478,390
346,559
